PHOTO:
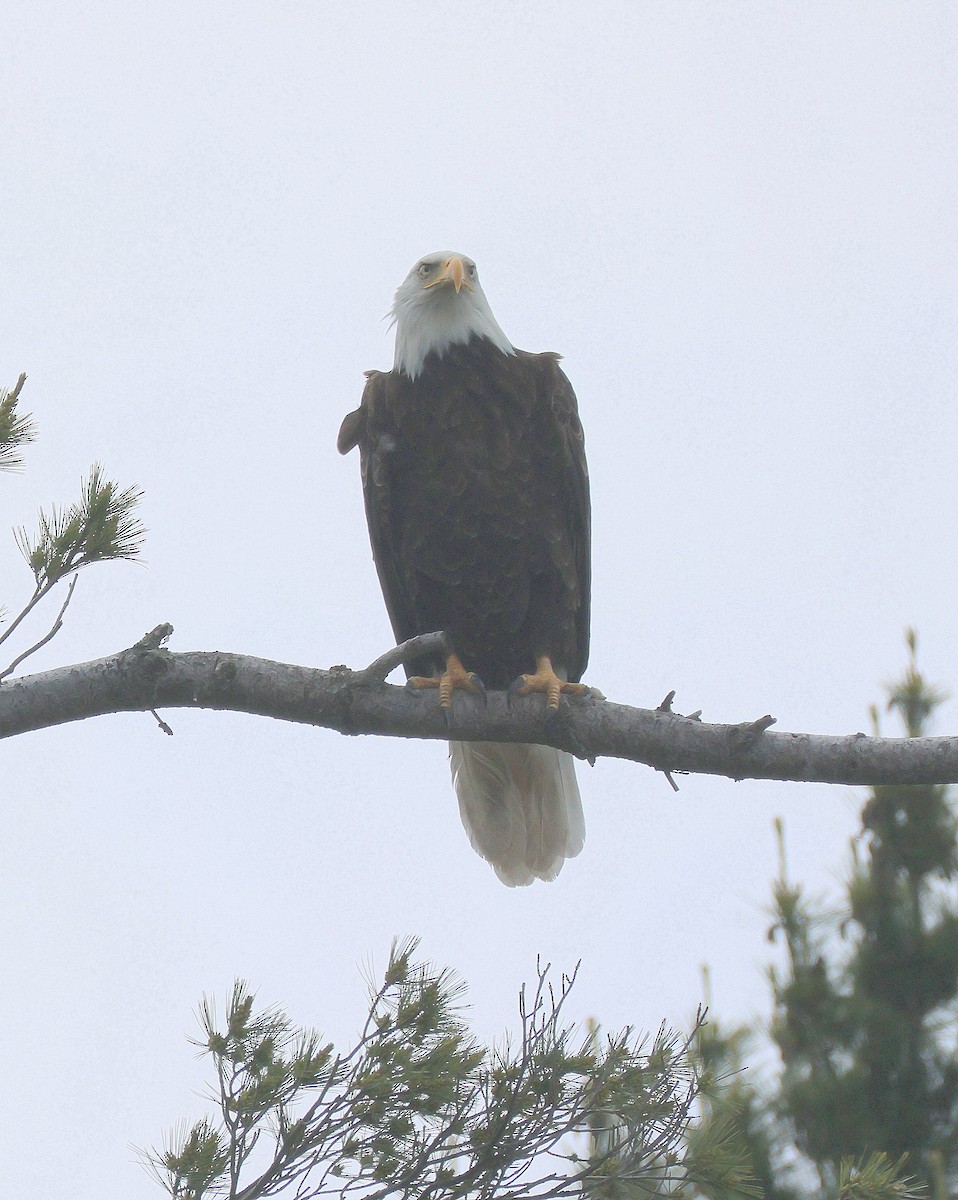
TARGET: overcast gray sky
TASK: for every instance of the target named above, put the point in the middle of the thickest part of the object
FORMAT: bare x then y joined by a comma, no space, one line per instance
737,223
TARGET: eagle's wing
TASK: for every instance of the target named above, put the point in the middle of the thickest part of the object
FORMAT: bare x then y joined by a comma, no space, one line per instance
373,428
556,391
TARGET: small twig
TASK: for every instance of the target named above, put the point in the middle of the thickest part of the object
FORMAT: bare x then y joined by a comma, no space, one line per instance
156,639
162,724
31,605
668,775
54,630
745,735
417,647
666,707
20,382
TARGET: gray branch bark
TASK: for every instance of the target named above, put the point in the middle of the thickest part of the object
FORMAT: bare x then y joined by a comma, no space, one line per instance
148,677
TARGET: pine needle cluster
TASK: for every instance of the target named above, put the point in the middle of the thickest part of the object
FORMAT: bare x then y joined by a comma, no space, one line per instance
866,1103
866,1036
417,1108
16,429
102,526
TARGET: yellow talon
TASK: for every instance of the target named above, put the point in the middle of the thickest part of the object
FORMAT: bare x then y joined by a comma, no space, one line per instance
455,676
548,682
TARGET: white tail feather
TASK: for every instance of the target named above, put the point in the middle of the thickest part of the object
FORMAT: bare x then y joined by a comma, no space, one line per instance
520,806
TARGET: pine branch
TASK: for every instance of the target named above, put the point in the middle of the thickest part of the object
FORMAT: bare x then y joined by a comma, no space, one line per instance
417,1109
147,677
101,527
48,636
16,430
877,1177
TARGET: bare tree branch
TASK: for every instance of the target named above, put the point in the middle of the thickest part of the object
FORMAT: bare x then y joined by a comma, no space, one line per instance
147,677
417,647
48,637
38,595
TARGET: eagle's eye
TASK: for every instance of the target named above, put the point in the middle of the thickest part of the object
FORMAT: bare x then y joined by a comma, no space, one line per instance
472,271
424,269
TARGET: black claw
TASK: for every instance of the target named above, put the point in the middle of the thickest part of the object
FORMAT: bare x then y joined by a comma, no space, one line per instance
411,688
513,690
447,716
481,689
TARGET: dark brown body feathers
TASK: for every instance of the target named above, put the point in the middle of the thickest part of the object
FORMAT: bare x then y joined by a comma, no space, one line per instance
477,500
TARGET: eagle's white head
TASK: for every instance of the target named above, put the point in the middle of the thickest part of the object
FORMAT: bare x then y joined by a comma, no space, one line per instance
440,304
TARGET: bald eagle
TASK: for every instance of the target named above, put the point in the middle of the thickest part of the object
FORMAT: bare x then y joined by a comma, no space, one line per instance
477,501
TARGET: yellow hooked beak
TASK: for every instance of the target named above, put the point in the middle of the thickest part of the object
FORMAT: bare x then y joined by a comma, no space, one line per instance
454,272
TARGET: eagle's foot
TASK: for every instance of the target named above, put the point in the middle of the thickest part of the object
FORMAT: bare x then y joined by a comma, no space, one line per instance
454,677
548,682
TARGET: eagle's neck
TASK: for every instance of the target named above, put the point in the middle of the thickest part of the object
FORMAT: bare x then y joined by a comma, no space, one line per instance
434,324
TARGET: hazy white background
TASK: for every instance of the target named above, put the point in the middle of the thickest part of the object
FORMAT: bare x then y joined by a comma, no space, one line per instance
736,220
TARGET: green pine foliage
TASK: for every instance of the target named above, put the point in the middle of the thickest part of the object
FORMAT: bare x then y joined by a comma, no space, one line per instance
417,1108
876,1175
866,1035
102,526
731,1103
757,1127
16,429
866,1103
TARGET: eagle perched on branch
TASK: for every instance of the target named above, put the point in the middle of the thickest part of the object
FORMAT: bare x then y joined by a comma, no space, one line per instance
477,500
